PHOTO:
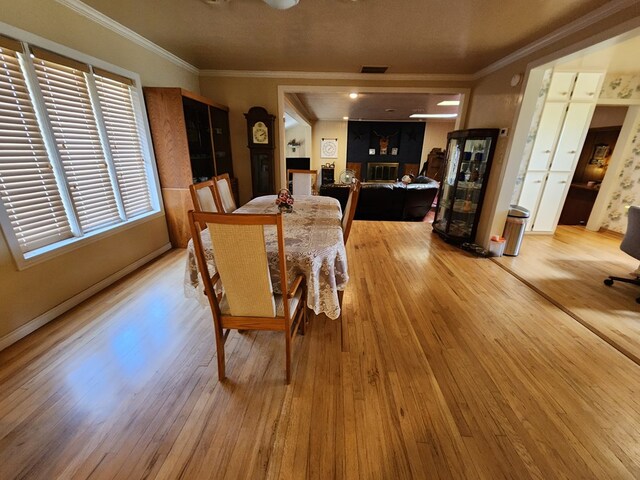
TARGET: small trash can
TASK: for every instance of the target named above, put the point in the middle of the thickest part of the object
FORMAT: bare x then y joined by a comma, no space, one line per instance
496,247
514,229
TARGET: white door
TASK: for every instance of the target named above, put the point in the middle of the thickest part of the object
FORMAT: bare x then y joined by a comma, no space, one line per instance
587,88
560,86
553,195
548,130
531,191
572,137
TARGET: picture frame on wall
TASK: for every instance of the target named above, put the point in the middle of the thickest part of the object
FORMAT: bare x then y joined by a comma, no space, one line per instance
600,153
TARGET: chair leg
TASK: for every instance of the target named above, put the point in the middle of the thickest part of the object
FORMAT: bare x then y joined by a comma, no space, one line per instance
287,337
220,354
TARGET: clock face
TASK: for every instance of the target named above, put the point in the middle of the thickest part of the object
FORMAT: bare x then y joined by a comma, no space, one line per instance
260,133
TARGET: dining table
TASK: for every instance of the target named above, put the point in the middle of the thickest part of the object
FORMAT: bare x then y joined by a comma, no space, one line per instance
314,247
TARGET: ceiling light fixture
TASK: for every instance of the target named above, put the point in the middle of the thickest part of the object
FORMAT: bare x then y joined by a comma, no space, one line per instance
353,95
449,103
345,118
281,4
433,115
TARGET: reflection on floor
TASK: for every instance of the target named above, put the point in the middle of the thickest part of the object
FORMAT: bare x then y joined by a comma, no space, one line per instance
569,268
449,367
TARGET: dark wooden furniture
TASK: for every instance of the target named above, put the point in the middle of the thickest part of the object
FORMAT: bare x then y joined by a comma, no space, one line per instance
327,175
260,141
468,164
588,176
191,140
578,205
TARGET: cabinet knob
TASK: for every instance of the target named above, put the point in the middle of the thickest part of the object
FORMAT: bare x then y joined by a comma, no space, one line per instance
563,93
591,94
572,151
547,151
563,181
537,181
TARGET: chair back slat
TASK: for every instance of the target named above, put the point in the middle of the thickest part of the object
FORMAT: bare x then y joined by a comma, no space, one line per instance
631,241
241,259
206,201
204,197
350,209
227,202
304,181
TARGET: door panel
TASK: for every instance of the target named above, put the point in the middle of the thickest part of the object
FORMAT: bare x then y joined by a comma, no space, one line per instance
555,190
587,87
560,87
531,190
550,124
574,130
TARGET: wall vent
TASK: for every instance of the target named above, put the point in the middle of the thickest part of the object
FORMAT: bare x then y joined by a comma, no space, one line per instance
373,69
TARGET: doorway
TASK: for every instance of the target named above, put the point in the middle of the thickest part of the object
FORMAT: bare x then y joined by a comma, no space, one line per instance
589,174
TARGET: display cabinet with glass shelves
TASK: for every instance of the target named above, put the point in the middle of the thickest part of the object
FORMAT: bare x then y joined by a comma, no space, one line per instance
466,171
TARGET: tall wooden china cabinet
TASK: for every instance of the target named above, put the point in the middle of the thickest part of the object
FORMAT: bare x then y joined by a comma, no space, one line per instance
192,144
468,164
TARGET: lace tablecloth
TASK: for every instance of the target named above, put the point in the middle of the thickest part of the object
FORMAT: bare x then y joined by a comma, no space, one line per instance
314,247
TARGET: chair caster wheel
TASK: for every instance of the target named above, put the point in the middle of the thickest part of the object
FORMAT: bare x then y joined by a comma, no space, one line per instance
608,282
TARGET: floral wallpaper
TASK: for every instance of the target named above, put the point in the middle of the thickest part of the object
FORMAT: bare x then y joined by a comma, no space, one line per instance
533,130
627,192
621,86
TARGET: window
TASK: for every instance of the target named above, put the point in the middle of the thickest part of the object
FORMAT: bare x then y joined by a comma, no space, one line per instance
73,158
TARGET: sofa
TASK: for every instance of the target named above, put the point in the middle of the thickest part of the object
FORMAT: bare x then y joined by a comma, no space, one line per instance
387,201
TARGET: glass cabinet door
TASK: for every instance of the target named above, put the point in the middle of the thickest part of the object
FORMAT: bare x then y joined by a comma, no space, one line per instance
443,215
473,166
468,164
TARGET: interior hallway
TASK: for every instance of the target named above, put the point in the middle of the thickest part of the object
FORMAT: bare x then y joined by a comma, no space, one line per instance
450,367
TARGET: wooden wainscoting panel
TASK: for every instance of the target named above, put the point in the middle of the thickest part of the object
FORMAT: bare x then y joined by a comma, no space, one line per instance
177,202
168,132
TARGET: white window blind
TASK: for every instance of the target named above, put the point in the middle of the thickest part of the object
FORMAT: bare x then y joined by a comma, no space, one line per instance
68,105
28,187
117,106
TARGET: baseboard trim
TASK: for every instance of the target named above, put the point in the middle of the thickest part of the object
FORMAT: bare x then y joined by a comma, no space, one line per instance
46,317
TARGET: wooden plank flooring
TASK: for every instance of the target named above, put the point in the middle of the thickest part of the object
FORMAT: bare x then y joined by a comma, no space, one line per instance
569,268
447,366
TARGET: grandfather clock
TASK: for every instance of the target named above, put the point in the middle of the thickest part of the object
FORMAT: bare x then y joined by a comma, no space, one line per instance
260,129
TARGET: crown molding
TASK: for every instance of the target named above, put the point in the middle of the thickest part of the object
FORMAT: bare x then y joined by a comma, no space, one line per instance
100,18
385,77
581,23
577,25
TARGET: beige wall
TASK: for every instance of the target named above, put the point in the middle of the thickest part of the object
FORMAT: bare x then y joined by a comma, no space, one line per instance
302,134
608,116
27,294
242,93
325,129
435,136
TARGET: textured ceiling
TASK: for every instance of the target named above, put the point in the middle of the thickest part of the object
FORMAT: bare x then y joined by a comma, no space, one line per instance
373,106
411,36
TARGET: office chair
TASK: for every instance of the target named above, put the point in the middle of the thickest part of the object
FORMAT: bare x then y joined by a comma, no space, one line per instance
630,245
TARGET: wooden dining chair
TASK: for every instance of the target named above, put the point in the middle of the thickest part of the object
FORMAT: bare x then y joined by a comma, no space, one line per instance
248,301
205,197
225,193
350,209
303,181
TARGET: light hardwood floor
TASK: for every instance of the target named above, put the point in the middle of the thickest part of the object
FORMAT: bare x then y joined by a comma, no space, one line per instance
569,268
449,367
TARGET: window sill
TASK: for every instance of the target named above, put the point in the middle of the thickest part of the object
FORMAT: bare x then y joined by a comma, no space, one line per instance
27,260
